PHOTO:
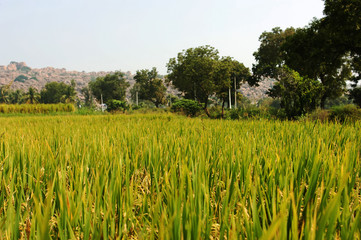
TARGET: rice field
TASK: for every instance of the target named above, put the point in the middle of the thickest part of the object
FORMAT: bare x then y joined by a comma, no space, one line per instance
171,177
35,108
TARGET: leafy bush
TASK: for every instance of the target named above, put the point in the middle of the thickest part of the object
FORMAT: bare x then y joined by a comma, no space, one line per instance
321,115
215,112
187,106
251,112
345,113
139,106
116,105
234,114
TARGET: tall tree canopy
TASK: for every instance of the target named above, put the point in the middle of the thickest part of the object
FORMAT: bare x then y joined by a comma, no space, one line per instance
298,94
112,86
269,56
149,87
311,52
200,73
55,92
32,96
229,76
88,97
192,72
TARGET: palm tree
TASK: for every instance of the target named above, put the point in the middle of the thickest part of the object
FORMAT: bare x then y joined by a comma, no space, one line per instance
69,94
15,97
32,96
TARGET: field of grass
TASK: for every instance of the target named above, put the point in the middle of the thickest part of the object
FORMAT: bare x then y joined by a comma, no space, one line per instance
171,177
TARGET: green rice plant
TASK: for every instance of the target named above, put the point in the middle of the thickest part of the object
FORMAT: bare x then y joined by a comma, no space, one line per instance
164,176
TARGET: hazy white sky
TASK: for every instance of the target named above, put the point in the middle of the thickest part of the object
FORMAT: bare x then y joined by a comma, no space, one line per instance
94,35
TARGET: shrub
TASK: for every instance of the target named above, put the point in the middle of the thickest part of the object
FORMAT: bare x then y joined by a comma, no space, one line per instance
345,113
116,105
234,114
187,106
139,106
321,115
215,112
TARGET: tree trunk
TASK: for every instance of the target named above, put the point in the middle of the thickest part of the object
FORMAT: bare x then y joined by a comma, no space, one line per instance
323,101
223,108
324,95
205,107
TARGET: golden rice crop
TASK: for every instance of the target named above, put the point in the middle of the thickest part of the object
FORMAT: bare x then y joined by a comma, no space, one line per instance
171,177
36,108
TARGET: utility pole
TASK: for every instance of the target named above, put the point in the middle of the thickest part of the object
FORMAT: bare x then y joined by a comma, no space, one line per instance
101,100
136,97
230,98
235,93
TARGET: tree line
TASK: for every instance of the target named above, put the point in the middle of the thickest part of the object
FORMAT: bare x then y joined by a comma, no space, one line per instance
309,65
53,92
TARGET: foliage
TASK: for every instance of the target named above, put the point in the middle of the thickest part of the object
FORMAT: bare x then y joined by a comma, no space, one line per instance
90,177
321,115
16,96
311,52
355,95
269,103
343,21
199,73
192,72
345,113
269,56
229,75
21,78
112,86
249,112
31,96
187,106
340,101
116,105
88,97
55,92
149,87
298,95
139,106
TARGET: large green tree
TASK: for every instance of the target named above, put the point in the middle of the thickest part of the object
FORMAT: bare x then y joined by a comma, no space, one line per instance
149,87
32,96
192,72
16,97
312,53
229,76
298,94
269,56
343,19
112,86
55,92
88,97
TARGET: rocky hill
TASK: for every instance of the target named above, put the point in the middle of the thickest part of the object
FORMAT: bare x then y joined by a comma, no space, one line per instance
22,77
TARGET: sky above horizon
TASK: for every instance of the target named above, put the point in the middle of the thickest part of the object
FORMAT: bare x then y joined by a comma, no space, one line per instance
127,35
